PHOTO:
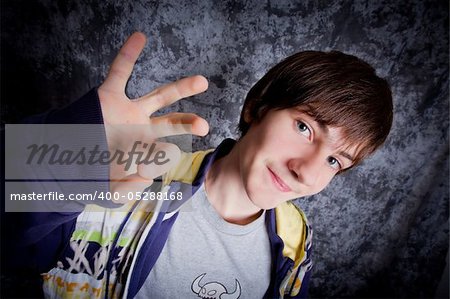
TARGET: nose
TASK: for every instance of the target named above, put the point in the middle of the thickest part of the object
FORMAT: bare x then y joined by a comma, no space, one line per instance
305,170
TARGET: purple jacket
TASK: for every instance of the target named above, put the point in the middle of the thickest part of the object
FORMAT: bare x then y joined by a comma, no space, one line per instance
73,260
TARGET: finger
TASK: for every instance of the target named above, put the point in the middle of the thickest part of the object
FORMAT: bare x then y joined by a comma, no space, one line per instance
172,92
124,62
177,124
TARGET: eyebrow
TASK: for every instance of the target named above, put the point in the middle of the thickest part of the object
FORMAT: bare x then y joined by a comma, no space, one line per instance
321,124
324,128
346,155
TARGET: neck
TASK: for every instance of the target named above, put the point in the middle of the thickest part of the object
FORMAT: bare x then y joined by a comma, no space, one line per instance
226,193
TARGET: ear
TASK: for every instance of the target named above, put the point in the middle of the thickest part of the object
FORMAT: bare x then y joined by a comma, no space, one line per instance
247,115
247,109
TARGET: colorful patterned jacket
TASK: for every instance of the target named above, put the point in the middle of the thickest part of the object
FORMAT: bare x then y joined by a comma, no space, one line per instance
108,252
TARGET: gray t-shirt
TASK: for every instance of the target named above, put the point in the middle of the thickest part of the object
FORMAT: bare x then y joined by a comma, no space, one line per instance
207,257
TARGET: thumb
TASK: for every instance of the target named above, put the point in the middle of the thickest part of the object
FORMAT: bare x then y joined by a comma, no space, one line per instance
164,157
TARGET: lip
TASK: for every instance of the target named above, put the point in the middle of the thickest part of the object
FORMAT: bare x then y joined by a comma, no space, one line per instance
278,182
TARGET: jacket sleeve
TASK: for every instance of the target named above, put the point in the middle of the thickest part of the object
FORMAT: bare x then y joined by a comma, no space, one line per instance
305,269
296,233
303,293
305,285
31,241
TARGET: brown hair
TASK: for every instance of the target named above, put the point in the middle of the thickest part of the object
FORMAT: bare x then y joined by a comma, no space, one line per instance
337,89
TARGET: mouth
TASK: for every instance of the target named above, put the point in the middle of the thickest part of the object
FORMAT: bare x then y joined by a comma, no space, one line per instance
278,182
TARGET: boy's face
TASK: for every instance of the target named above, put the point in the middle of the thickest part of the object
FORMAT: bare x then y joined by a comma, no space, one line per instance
289,155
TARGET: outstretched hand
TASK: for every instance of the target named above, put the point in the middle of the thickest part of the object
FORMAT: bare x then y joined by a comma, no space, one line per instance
127,121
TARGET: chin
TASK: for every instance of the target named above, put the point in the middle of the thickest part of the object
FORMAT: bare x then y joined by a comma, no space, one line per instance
262,198
264,203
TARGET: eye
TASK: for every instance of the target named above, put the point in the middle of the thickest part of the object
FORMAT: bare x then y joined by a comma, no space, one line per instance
334,163
303,129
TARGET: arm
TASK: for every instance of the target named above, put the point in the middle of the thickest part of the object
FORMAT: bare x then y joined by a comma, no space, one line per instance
31,241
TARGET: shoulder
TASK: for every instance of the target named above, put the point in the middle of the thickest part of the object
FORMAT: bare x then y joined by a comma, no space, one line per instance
295,231
187,168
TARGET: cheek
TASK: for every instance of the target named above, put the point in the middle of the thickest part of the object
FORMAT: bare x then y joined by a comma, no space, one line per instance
322,183
261,192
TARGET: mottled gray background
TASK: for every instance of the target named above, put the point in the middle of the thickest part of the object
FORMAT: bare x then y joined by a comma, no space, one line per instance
381,230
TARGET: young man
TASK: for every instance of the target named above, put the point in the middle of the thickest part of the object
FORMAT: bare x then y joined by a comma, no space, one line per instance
309,118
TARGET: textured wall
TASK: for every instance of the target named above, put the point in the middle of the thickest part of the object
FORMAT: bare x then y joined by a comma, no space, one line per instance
381,229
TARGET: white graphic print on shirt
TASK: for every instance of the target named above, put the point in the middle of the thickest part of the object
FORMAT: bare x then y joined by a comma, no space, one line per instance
214,289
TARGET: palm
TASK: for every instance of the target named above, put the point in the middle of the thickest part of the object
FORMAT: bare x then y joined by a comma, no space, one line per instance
119,111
